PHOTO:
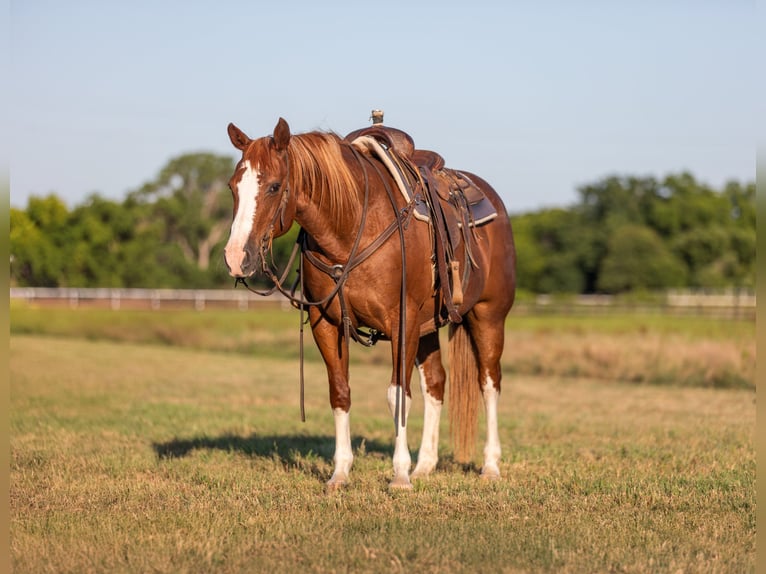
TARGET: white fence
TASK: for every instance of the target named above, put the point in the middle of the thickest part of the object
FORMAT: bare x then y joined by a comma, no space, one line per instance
740,299
730,304
147,298
740,304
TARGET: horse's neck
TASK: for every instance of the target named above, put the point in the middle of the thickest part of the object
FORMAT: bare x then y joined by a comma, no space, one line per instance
322,229
331,233
334,234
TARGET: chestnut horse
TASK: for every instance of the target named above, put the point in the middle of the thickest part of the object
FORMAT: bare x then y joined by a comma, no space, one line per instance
341,197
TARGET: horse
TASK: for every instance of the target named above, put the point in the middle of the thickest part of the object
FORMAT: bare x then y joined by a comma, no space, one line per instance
367,264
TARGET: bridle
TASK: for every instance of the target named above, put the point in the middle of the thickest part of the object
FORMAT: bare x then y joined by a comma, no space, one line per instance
266,242
339,273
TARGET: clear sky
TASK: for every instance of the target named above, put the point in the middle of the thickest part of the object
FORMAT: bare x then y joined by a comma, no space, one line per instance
537,97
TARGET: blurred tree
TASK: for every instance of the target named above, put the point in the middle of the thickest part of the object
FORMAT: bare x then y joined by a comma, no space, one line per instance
696,224
35,259
530,259
615,201
637,259
625,233
191,196
99,230
699,247
564,253
37,239
49,213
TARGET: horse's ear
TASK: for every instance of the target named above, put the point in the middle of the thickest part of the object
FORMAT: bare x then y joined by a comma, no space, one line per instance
281,135
238,138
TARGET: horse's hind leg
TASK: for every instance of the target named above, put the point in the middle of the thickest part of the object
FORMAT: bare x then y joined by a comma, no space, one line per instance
334,350
432,380
488,333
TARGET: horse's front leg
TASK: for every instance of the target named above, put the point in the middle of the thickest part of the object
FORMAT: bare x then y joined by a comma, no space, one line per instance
432,381
398,393
402,460
334,349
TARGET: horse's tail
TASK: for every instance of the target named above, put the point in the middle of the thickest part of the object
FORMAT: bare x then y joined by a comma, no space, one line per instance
463,392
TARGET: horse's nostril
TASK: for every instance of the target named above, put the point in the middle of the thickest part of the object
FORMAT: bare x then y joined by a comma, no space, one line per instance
247,258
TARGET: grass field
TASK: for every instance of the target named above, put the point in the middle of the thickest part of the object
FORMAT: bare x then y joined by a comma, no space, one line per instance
638,348
172,442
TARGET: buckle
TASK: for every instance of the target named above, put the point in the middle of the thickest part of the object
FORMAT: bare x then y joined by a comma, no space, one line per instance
336,271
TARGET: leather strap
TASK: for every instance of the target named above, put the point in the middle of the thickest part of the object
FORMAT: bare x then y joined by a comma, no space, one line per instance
443,257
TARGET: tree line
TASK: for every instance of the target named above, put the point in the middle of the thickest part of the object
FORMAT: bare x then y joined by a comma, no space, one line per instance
624,234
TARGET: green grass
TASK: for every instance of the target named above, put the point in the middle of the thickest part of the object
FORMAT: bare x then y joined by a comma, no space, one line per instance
226,325
135,457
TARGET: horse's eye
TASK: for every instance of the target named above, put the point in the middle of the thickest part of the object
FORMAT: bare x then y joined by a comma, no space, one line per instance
273,188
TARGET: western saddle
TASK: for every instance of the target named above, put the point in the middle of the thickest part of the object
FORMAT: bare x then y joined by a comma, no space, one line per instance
447,199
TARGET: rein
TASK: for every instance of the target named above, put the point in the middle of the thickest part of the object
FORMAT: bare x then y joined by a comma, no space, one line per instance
339,273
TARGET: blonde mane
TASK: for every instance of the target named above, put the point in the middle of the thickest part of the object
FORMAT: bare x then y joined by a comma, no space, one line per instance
317,167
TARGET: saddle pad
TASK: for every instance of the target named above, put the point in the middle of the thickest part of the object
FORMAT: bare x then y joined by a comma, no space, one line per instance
375,148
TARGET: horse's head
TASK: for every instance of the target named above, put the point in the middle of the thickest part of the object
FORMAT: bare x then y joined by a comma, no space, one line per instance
262,205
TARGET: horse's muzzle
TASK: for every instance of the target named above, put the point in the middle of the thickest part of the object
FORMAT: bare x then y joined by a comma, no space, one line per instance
241,264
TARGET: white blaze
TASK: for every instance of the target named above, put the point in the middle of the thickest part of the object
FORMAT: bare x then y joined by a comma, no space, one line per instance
247,191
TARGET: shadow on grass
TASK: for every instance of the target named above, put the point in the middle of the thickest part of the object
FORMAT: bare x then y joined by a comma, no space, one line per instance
290,450
312,454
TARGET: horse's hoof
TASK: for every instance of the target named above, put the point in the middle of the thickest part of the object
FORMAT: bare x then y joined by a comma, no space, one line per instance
490,474
418,474
335,485
400,483
421,472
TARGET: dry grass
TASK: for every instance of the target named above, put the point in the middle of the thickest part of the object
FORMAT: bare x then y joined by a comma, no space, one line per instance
656,358
140,458
638,348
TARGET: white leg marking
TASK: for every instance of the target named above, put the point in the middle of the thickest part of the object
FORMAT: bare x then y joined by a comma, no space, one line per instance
343,454
247,192
429,445
402,460
492,447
